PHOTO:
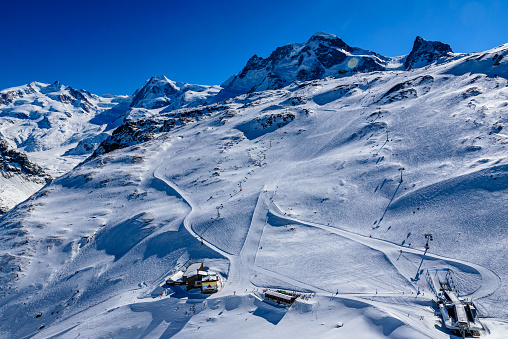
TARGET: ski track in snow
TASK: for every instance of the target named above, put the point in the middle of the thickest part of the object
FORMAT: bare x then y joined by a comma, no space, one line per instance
490,280
187,222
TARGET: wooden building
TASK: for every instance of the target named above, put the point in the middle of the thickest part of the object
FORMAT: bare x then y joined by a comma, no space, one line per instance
280,298
175,279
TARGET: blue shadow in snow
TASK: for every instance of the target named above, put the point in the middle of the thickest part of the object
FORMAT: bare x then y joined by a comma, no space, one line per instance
387,207
165,310
272,314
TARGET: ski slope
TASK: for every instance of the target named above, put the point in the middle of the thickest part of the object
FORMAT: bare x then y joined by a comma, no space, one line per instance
298,189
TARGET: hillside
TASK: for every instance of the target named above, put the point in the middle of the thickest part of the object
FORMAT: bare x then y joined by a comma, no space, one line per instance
19,177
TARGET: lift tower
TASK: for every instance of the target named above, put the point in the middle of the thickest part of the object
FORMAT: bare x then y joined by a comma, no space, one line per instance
428,236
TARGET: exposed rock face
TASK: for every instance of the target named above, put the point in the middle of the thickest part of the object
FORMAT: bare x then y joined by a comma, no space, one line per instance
135,132
322,55
9,96
19,177
426,52
14,162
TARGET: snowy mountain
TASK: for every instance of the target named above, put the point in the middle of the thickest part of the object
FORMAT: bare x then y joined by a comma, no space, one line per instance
325,187
54,127
57,126
325,55
159,91
322,55
50,121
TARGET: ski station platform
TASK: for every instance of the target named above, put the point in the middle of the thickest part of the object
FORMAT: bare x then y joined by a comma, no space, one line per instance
460,310
459,316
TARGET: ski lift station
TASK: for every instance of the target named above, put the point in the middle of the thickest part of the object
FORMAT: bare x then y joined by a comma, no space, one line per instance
280,297
459,316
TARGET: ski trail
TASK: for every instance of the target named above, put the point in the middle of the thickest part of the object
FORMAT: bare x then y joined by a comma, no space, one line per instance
490,280
186,222
244,264
241,266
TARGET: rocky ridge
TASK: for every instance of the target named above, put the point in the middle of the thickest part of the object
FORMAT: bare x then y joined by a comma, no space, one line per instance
16,169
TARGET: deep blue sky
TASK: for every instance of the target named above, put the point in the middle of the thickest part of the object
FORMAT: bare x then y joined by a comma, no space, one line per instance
114,46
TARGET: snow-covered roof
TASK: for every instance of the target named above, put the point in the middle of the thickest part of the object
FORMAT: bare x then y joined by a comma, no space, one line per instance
193,269
210,278
177,276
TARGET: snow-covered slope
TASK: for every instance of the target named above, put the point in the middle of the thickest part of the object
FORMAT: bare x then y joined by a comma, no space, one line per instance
57,126
325,186
493,62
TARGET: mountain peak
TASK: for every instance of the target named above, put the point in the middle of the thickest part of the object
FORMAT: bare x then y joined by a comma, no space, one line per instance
54,87
324,54
159,91
154,93
420,43
159,77
162,81
323,36
426,52
419,40
330,40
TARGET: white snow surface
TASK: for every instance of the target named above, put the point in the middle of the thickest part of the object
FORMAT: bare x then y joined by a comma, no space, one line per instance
16,188
298,189
56,125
